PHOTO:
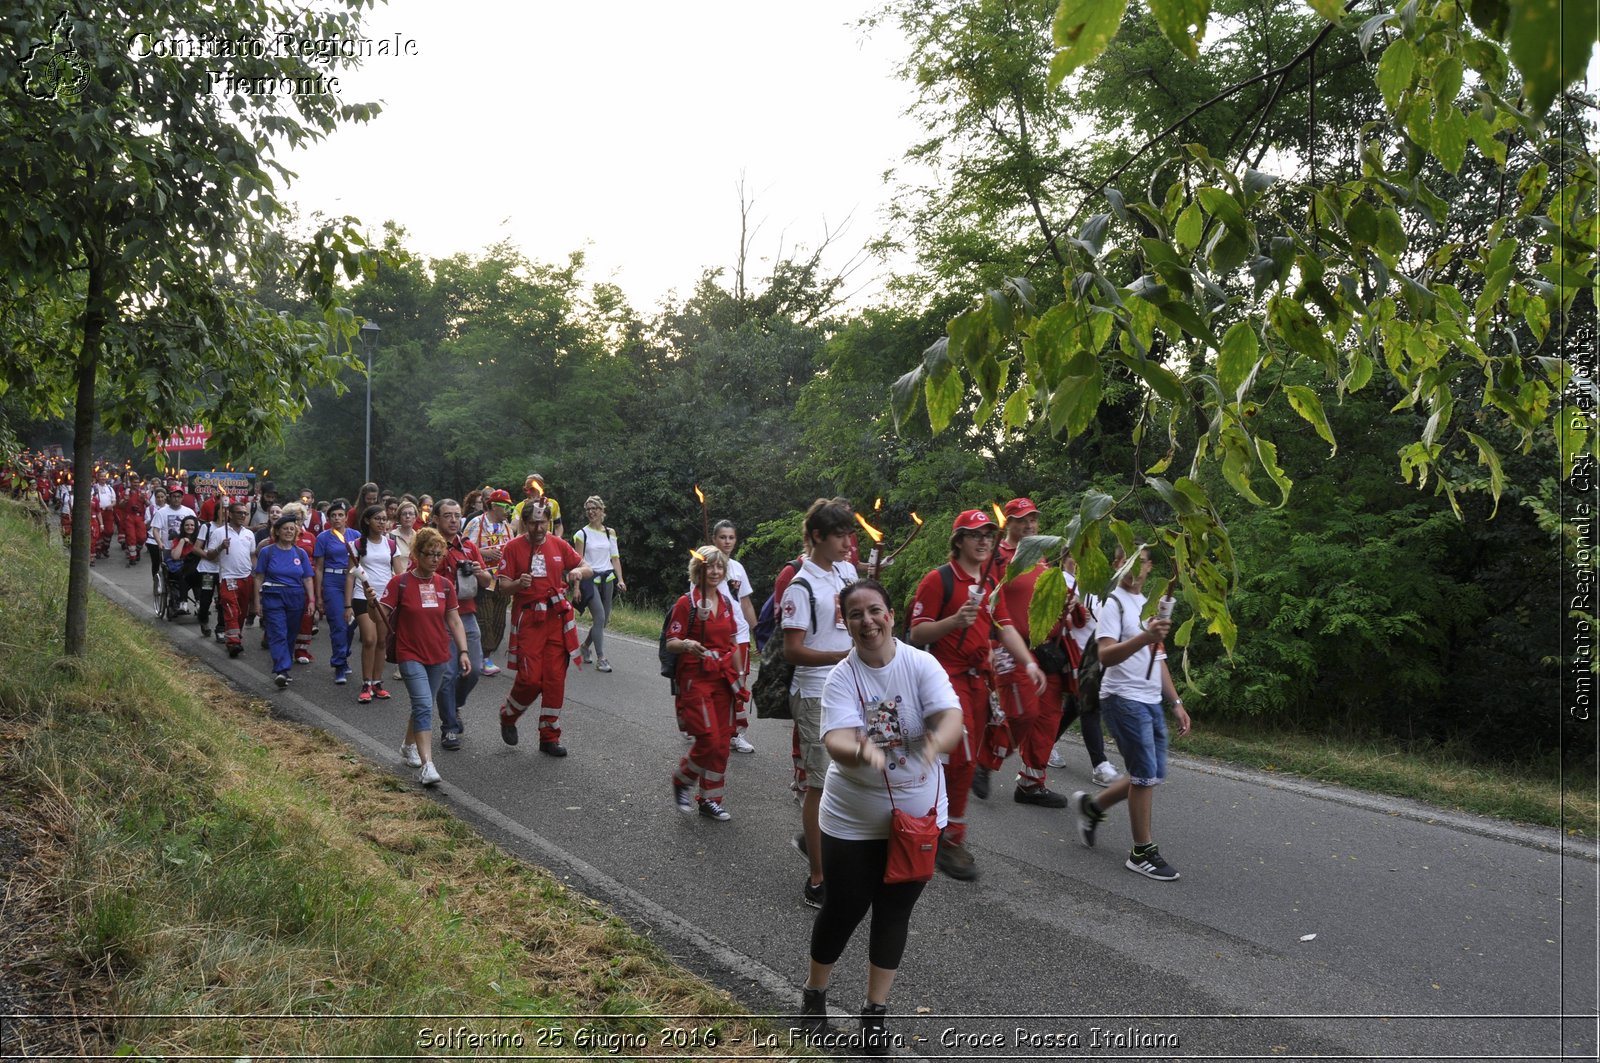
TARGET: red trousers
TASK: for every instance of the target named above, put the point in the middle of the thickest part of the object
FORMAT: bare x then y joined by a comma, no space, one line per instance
102,525
1032,720
705,711
538,655
973,691
302,640
234,598
133,533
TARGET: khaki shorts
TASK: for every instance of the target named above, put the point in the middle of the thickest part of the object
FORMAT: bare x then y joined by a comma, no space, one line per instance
807,713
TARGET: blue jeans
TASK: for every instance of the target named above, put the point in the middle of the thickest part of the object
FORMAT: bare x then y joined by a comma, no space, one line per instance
338,630
1140,729
281,610
453,694
422,684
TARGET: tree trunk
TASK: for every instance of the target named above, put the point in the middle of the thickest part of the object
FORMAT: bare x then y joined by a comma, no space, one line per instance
83,425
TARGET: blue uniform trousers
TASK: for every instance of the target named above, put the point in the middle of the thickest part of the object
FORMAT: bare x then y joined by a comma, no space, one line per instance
281,610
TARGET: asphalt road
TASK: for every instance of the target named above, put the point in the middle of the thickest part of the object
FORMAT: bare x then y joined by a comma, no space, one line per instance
1437,935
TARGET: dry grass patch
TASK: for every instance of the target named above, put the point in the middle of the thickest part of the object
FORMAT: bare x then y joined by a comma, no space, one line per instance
210,860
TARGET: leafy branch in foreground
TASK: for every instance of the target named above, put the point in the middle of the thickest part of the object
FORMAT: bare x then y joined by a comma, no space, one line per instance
1219,287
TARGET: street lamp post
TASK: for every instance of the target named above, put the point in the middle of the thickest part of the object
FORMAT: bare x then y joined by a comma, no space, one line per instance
369,340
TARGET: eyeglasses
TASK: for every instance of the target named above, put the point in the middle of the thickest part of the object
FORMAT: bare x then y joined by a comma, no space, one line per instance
434,554
985,533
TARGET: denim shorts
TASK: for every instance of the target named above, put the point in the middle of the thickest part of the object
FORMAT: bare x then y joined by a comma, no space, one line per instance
1140,729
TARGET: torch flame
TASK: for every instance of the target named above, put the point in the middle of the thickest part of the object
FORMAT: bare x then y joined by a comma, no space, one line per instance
877,505
698,556
701,495
916,518
877,536
999,514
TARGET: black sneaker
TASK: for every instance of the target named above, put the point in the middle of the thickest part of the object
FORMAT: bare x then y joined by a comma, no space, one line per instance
1089,817
813,1011
281,679
205,631
875,1039
814,894
508,732
451,739
714,810
552,749
980,784
1040,795
1147,862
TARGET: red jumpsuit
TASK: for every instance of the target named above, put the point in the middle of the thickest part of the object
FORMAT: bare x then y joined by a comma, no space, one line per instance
133,527
308,623
964,653
1031,718
706,693
544,633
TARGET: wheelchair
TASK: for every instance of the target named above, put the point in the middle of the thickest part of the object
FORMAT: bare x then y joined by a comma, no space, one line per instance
174,589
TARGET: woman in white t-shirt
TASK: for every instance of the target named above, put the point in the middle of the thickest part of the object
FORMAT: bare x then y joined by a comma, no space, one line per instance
725,537
364,585
598,545
888,715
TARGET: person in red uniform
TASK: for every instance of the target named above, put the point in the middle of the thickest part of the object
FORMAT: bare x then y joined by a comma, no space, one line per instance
538,567
701,632
955,626
131,517
306,540
1031,718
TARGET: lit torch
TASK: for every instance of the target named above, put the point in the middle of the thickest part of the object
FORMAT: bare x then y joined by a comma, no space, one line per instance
999,515
705,515
902,546
877,539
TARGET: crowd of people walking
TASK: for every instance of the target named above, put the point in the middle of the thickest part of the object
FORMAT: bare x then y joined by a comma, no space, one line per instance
893,735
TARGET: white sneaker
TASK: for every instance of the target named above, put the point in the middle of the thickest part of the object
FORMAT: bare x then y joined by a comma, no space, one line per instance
1056,759
1105,773
740,745
409,754
429,775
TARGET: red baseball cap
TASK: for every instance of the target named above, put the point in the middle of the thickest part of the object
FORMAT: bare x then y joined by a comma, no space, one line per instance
972,520
499,497
1020,507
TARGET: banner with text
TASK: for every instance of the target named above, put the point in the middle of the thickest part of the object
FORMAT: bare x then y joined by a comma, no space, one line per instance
189,437
230,483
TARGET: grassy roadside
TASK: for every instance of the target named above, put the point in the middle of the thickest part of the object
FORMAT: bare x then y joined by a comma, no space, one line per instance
178,852
1526,793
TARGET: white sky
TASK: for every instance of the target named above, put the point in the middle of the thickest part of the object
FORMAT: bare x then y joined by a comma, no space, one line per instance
621,129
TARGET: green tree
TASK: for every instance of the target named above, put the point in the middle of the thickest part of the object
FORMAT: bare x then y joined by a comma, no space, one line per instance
1222,283
137,205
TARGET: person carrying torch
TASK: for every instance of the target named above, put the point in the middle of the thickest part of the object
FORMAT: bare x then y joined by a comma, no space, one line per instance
952,617
537,568
1135,683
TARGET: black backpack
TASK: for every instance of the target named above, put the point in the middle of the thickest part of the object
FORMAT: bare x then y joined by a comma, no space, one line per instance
770,692
669,660
1090,670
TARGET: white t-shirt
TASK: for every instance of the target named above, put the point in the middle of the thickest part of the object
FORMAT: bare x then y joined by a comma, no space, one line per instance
237,560
1080,635
377,564
168,520
150,512
830,636
1117,618
209,538
737,574
891,704
599,547
64,499
105,496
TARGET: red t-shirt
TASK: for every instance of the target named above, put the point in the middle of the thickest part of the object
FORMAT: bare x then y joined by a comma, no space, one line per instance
421,621
464,557
549,564
963,648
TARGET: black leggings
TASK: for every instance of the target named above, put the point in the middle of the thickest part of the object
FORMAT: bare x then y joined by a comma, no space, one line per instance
1093,740
155,557
853,871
